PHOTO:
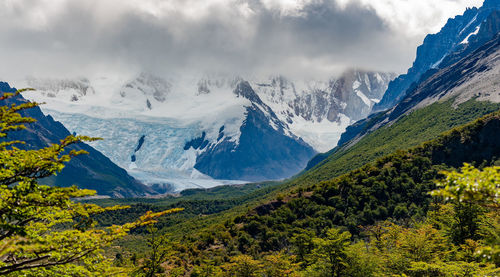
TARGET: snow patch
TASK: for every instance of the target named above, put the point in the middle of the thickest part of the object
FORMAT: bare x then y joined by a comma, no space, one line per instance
356,85
466,40
132,166
436,64
467,26
367,82
322,136
363,97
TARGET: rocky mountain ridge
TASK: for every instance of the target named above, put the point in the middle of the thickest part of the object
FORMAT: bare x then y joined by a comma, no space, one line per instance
458,33
222,128
475,76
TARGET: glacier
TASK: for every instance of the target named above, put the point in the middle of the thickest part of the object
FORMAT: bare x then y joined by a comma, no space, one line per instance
160,161
167,113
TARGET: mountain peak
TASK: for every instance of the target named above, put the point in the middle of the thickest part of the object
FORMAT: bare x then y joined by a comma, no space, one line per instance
70,89
245,90
437,48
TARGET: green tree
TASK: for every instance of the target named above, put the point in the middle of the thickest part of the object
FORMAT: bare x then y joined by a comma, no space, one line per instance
242,266
472,192
160,250
43,232
475,195
363,261
279,265
303,245
331,251
472,185
206,269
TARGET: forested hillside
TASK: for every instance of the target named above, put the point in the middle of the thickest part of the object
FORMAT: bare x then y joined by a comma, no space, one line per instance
411,130
358,210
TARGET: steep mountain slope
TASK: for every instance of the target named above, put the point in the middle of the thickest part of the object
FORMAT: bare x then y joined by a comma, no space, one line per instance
454,36
319,111
410,130
392,187
92,171
472,77
395,186
448,92
264,146
181,133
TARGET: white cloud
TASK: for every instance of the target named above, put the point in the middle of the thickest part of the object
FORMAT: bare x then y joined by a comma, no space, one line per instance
287,7
417,17
299,37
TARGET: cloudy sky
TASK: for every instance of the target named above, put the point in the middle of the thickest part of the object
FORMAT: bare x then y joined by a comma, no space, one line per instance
258,37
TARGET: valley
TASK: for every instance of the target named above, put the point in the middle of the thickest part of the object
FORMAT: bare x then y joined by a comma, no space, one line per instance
353,172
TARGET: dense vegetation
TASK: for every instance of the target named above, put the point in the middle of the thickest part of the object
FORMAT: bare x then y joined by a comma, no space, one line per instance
43,232
410,130
377,220
229,201
374,220
197,203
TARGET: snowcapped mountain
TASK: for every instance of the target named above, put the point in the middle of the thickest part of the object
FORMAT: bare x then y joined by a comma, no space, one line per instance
146,85
177,133
319,112
470,72
457,34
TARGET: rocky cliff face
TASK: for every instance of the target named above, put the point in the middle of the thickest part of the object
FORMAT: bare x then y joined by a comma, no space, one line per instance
468,68
319,111
353,94
474,76
265,150
454,36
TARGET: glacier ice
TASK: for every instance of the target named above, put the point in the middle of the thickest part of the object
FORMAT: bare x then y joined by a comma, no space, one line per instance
170,112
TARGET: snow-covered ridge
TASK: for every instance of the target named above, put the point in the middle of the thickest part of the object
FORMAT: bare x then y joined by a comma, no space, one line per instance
169,113
70,90
319,111
149,85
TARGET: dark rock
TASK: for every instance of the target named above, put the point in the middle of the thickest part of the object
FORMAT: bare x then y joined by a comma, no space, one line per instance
435,49
197,143
262,152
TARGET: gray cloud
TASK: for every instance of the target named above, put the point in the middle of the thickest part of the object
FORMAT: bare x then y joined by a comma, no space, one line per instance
256,37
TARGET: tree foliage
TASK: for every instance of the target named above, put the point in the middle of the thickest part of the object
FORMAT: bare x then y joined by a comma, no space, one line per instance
43,231
160,250
378,220
472,185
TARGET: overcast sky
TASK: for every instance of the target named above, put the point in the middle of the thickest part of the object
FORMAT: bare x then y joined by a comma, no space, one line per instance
309,38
